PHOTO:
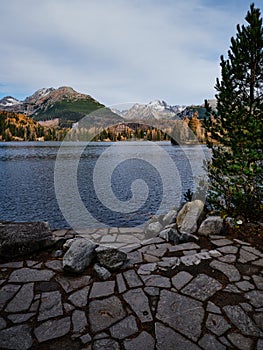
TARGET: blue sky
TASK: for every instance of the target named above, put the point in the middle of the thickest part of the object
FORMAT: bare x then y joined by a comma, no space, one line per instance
118,51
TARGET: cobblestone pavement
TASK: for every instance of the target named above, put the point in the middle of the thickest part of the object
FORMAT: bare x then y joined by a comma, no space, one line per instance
205,295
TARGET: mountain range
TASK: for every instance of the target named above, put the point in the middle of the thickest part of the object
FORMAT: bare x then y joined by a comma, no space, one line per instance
67,106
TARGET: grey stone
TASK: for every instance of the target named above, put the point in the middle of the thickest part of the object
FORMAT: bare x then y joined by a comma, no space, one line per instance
202,287
211,225
181,279
135,258
101,272
224,341
222,242
230,271
170,217
79,321
22,300
52,329
258,262
20,318
217,324
209,342
184,246
55,265
105,344
260,344
168,339
230,288
17,337
12,265
2,323
245,286
86,338
157,281
71,283
245,256
255,297
246,307
124,328
102,289
104,313
142,342
177,311
211,307
80,297
170,235
30,275
258,280
7,292
139,303
241,320
18,239
153,229
189,260
152,291
240,342
150,258
230,258
79,255
188,237
120,283
68,307
229,249
258,318
50,306
147,269
188,217
111,258
132,279
253,251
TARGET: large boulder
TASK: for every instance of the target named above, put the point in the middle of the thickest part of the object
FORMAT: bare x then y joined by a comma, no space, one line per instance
170,217
21,238
170,235
152,229
79,255
110,258
213,225
189,216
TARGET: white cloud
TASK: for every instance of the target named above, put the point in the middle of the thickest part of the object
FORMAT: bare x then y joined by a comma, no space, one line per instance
118,51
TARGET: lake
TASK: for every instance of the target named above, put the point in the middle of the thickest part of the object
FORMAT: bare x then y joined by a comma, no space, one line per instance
96,184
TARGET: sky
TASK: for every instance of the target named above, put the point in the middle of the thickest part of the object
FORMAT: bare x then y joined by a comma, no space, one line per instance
118,51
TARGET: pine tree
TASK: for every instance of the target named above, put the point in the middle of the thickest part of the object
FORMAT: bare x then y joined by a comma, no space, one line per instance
235,130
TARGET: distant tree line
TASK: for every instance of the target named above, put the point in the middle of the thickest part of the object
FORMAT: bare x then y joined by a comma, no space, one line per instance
18,127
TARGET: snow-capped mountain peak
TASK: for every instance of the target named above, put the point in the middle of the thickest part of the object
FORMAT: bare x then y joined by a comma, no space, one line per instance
157,109
9,101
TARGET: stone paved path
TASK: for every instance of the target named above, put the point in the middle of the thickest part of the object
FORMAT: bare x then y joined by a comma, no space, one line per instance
190,296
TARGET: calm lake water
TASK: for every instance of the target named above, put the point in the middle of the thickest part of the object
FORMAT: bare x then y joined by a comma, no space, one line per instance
107,177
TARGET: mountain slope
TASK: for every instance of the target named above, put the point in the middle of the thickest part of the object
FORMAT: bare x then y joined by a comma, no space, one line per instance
64,104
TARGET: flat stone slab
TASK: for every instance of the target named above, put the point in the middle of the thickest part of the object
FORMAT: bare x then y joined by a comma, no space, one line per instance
50,305
30,275
104,313
181,279
72,283
124,328
208,342
230,271
17,337
80,297
142,342
177,311
132,279
241,320
202,287
7,292
217,324
100,289
168,339
79,321
157,281
52,329
139,303
22,300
